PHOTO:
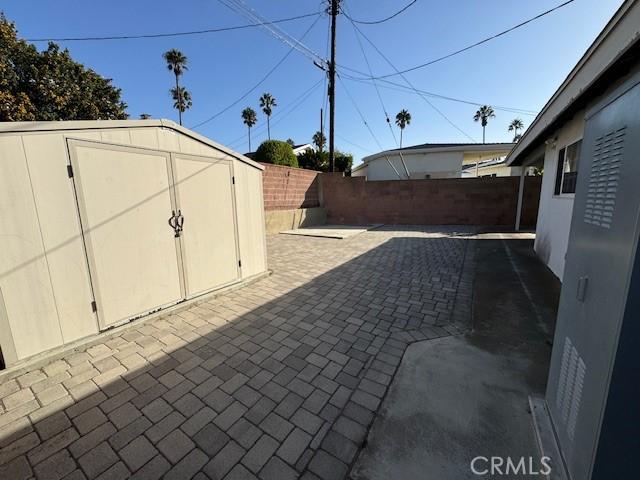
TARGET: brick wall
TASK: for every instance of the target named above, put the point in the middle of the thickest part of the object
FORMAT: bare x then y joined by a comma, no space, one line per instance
287,188
461,201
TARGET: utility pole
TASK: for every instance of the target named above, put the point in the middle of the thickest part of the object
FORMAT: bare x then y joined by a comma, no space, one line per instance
332,85
321,130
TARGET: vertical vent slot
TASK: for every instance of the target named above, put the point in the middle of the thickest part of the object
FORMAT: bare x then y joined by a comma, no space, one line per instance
570,384
604,178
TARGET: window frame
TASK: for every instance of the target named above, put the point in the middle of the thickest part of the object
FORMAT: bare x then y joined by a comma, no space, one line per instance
560,167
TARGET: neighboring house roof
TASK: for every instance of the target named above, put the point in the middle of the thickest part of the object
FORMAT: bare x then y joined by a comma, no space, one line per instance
610,56
298,149
439,147
494,162
25,127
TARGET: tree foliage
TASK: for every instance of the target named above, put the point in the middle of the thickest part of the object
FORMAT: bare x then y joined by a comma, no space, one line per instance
276,152
181,99
515,125
267,102
50,85
483,114
319,140
319,161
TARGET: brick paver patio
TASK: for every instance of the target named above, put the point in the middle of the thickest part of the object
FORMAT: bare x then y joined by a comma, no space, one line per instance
278,380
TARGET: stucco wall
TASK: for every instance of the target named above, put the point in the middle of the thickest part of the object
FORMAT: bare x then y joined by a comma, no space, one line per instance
438,165
554,217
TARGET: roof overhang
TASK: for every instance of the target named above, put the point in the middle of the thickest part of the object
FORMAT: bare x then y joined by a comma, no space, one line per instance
610,56
498,149
29,127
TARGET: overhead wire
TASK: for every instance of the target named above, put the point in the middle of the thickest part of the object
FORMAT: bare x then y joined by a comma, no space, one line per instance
241,8
375,84
171,34
353,144
260,82
366,124
376,22
406,80
476,44
399,87
282,113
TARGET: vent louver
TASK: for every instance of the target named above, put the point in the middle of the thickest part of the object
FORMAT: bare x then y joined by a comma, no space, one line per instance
604,178
570,384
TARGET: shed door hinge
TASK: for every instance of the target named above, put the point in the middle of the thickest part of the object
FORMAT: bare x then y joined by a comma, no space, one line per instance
233,180
70,171
239,263
94,306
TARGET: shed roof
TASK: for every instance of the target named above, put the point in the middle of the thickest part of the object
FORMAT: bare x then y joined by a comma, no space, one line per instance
609,57
26,127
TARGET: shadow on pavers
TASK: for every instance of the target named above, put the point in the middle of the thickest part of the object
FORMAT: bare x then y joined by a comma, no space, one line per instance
281,363
456,398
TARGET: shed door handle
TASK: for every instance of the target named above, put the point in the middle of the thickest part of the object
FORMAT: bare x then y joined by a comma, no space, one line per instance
173,219
581,294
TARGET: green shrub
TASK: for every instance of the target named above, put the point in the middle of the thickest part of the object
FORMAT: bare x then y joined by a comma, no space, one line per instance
276,152
314,160
343,163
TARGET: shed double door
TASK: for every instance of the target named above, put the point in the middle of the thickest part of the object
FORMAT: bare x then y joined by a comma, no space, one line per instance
129,201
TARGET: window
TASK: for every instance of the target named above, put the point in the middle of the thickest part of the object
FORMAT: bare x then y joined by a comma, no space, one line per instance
567,170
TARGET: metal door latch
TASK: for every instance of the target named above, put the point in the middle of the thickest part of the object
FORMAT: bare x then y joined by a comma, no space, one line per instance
176,222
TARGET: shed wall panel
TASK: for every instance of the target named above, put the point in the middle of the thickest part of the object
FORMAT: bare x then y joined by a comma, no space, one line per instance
144,137
251,227
120,135
168,140
24,278
61,234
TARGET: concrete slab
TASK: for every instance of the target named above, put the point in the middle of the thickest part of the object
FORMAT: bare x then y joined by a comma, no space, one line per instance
332,231
457,398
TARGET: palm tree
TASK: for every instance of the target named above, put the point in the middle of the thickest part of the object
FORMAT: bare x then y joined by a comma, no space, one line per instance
403,118
267,102
181,99
515,125
249,118
483,114
176,63
145,116
319,140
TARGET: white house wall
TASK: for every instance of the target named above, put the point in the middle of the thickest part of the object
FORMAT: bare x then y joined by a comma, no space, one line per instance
499,171
554,213
437,165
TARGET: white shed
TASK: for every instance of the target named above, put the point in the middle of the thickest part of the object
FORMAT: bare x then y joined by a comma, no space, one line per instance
104,222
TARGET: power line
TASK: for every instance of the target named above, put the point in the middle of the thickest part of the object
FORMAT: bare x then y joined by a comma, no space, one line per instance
442,114
469,47
355,105
281,114
353,144
242,9
375,84
260,82
403,88
172,34
376,22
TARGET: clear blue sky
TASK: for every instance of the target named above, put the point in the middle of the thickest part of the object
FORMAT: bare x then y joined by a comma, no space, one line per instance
520,70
